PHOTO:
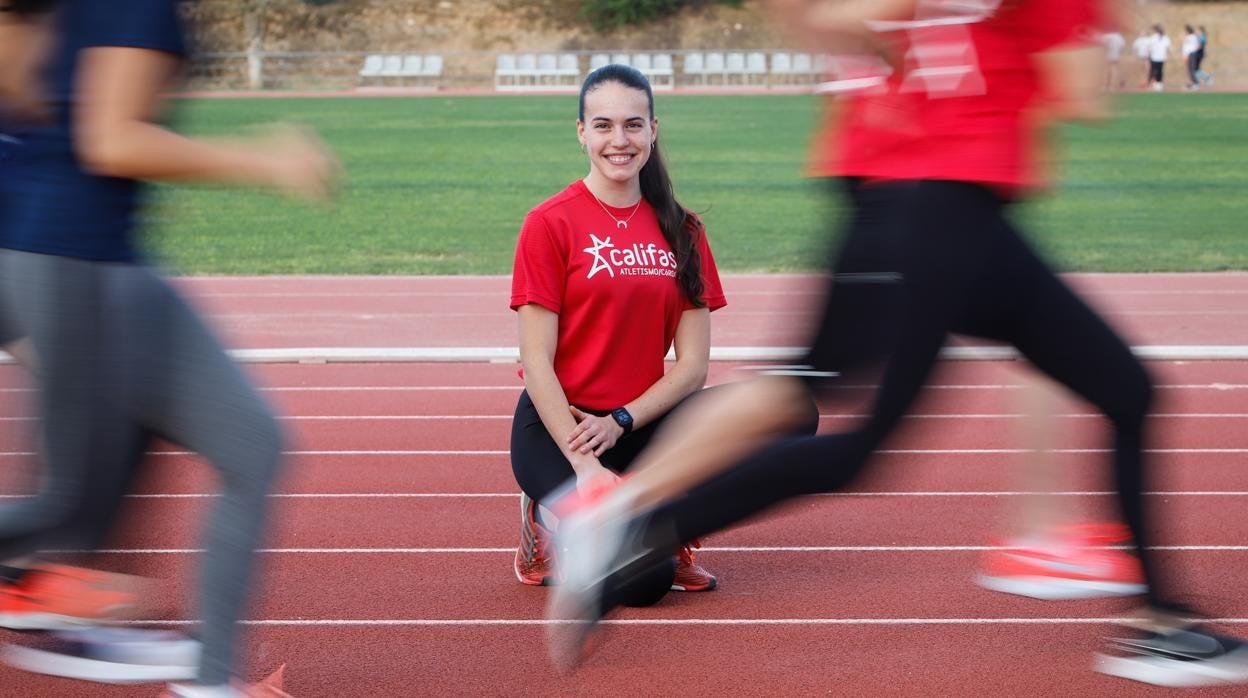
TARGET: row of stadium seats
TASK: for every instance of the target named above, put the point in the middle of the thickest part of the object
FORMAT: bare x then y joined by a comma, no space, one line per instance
550,71
402,68
528,71
547,70
533,71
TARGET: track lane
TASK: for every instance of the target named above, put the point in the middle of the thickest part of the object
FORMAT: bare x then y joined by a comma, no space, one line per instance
492,522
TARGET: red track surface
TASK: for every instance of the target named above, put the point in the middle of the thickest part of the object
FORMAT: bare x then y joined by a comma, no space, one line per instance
406,589
271,312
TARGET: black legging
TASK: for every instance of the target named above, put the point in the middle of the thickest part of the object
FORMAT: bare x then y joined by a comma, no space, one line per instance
922,260
540,467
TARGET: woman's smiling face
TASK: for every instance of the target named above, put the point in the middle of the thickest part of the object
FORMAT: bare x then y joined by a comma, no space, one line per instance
617,131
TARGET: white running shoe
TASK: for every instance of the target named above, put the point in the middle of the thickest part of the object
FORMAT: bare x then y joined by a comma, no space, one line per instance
109,655
1184,658
590,541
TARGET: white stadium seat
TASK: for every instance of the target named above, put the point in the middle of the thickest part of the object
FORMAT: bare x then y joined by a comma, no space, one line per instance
755,67
801,63
411,66
781,64
734,64
432,67
661,74
714,65
505,72
569,67
547,68
372,66
695,66
392,67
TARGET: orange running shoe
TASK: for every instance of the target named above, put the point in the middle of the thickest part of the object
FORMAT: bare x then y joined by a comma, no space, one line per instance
57,597
690,576
1075,563
533,565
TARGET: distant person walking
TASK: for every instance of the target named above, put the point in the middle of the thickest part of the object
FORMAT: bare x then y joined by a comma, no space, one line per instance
1198,59
1190,47
1158,52
1114,42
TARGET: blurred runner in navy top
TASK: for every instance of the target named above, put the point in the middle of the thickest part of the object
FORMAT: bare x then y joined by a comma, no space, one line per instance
38,593
121,357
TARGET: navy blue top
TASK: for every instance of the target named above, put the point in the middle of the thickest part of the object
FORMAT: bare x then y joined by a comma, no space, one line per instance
48,203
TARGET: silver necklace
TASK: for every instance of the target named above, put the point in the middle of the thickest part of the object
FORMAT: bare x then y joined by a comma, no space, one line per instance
619,224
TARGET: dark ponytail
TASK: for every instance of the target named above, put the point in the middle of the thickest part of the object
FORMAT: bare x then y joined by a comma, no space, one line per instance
681,228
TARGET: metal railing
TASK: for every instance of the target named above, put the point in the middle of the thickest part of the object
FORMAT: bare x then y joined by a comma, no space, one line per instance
341,70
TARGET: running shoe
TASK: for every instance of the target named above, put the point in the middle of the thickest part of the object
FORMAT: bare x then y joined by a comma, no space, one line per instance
1077,562
270,687
534,564
1182,658
56,597
108,655
690,576
594,542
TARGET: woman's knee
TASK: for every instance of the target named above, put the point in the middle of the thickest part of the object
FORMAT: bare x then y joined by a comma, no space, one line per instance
1133,398
254,452
536,462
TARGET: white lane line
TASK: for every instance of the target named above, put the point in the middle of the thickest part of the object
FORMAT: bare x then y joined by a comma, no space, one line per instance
516,388
358,389
799,290
709,549
508,417
7,454
226,316
524,622
1010,451
514,495
895,451
511,354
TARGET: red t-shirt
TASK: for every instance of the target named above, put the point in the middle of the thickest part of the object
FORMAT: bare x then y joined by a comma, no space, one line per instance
613,288
959,108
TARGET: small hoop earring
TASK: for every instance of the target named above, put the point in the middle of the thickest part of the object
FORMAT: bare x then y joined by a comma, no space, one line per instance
653,144
584,148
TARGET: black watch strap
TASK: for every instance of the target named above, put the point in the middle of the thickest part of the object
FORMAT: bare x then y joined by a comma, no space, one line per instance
623,418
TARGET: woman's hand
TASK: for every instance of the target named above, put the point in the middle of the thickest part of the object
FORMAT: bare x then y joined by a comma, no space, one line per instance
593,434
591,475
300,165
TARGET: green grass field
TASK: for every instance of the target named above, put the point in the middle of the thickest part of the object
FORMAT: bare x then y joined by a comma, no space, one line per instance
440,185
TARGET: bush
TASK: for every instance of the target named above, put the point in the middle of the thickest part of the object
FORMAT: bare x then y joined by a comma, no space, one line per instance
606,15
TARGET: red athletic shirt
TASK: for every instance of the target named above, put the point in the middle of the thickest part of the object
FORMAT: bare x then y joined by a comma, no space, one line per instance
959,109
613,288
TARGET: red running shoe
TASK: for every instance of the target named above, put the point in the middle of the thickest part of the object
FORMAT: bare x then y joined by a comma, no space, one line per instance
59,597
533,564
270,687
1076,562
690,576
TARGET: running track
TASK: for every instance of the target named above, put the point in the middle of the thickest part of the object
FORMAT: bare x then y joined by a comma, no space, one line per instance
387,572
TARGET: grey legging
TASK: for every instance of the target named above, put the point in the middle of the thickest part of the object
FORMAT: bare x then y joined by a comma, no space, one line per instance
121,359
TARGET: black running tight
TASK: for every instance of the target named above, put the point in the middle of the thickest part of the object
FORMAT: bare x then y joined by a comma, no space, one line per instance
922,260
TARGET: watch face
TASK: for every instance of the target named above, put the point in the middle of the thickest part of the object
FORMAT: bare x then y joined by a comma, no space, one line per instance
622,417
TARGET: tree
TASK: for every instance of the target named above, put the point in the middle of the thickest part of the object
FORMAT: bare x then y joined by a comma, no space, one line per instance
253,28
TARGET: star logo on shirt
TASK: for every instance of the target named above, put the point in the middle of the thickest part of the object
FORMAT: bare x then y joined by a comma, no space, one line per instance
599,262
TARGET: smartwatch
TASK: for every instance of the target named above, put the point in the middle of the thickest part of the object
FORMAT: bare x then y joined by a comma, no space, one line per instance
623,418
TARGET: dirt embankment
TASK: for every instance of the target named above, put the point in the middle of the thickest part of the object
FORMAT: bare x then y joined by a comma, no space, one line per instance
465,28
453,26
